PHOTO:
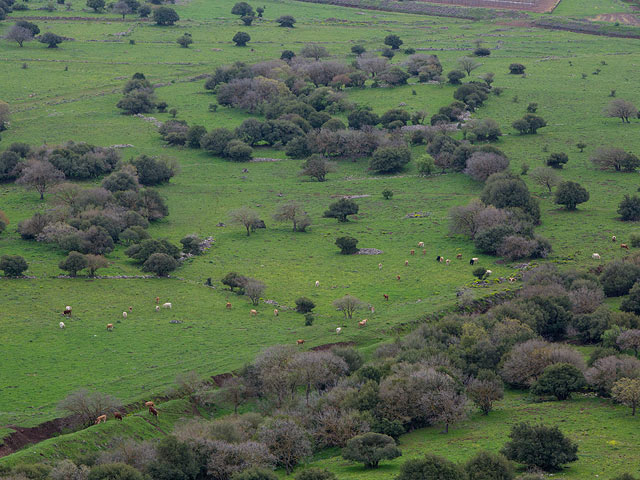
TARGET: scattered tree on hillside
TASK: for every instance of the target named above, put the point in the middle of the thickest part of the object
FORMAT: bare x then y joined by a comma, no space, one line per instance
559,380
295,213
468,64
622,109
87,406
557,160
165,16
616,158
347,245
253,289
546,177
516,68
185,40
241,9
40,175
571,194
74,262
13,265
97,5
286,21
316,166
122,8
627,392
241,39
160,263
629,208
485,390
348,305
246,217
342,209
431,467
315,51
393,41
529,124
19,35
51,39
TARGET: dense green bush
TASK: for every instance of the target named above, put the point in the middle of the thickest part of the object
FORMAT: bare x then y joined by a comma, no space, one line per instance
540,446
347,245
559,380
370,449
304,305
431,467
489,466
629,210
160,263
390,159
165,16
13,265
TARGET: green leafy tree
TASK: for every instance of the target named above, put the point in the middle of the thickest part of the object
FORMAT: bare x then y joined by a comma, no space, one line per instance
629,208
114,471
51,39
185,40
97,5
74,262
286,21
516,69
13,265
627,392
559,380
304,305
557,160
316,166
161,264
165,16
342,209
540,446
370,449
241,39
529,124
489,466
347,245
431,467
393,41
571,194
390,159
242,8
455,77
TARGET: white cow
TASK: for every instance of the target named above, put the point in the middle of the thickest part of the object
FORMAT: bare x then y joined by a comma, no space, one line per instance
166,305
157,308
317,283
124,314
595,256
338,330
61,324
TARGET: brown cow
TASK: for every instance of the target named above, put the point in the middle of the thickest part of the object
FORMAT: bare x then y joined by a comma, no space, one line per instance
149,404
153,411
363,322
624,245
228,305
412,252
109,327
117,416
398,277
300,342
406,263
254,312
275,312
459,256
101,419
386,297
157,299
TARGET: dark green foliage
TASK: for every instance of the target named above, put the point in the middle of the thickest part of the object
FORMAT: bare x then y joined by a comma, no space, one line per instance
570,194
431,467
394,76
165,16
298,148
352,357
185,40
370,449
489,466
628,209
255,474
74,262
22,149
303,305
479,272
318,167
151,171
242,8
233,280
333,124
238,151
393,41
347,245
529,124
618,277
489,240
176,461
387,194
114,471
13,265
540,446
8,162
362,117
482,52
160,263
137,101
32,27
194,135
316,474
97,5
51,39
142,251
286,21
241,39
341,209
506,190
390,159
287,55
144,11
191,244
557,160
516,68
358,49
632,302
32,471
216,140
455,76
395,114
559,380
120,181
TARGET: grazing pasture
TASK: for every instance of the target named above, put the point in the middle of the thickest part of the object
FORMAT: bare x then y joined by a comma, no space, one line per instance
70,93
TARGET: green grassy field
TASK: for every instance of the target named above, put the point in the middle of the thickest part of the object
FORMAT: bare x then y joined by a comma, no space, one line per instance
42,363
